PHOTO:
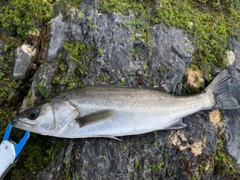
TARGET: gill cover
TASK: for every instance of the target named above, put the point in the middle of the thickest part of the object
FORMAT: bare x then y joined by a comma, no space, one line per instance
64,113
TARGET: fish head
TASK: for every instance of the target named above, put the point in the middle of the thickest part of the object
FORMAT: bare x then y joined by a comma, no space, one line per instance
39,119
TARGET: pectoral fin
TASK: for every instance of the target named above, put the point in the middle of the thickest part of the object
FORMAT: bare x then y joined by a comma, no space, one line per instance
177,125
95,117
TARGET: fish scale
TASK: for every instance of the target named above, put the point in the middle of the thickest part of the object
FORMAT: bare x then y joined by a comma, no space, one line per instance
116,111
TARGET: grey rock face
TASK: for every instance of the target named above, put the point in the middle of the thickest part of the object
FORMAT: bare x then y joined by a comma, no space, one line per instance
43,79
57,36
23,57
235,46
232,118
171,54
162,58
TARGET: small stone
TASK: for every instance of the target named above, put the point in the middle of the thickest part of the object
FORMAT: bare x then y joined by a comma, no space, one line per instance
139,73
157,3
34,66
23,57
230,57
215,117
34,33
194,78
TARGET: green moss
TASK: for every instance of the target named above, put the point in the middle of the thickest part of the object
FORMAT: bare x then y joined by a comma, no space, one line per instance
137,164
224,164
5,116
155,143
67,4
7,85
104,78
41,88
155,167
29,100
210,26
122,82
190,90
100,51
80,55
141,32
22,16
76,50
62,67
67,160
131,175
35,157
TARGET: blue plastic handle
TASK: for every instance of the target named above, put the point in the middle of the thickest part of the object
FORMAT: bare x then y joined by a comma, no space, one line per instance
7,132
19,146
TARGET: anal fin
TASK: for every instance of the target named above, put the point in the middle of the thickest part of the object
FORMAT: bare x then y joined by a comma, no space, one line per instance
95,117
113,137
177,125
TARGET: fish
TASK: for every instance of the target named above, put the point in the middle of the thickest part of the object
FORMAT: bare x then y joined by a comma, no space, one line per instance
111,112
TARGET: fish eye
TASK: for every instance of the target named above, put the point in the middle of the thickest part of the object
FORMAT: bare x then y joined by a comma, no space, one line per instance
33,114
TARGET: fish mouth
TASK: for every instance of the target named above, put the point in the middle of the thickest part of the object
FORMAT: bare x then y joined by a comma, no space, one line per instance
21,125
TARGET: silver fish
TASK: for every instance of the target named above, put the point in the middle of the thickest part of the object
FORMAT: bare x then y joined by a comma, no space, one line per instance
110,112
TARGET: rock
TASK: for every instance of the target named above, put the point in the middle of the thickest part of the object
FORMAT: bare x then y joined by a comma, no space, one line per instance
41,86
157,3
232,122
42,83
194,78
234,44
230,57
126,57
23,57
124,52
162,154
171,54
215,70
57,36
58,164
232,118
215,117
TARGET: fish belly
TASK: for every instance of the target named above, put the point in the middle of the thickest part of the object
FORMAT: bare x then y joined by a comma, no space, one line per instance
133,116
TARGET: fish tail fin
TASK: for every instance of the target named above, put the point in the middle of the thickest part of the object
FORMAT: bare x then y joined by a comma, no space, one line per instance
220,87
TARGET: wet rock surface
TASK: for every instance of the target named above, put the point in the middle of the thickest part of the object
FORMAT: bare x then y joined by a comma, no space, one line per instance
123,57
163,57
232,118
23,60
57,36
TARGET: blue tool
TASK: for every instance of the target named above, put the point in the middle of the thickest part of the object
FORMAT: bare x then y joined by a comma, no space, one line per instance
9,151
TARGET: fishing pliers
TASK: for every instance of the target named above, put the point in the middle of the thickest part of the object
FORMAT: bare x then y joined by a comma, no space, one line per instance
9,151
